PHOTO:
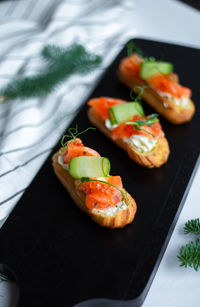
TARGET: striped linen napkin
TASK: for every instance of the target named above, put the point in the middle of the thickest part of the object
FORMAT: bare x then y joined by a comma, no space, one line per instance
30,128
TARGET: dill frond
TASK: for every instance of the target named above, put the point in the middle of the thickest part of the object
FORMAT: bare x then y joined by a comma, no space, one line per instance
60,65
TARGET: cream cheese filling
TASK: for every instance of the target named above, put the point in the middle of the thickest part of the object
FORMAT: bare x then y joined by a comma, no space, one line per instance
109,125
112,210
141,143
61,162
181,102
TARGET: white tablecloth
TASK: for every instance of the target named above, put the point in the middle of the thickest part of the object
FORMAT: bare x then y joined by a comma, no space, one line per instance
29,129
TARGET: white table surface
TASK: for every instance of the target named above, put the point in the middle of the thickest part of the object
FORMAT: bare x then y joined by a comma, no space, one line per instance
168,21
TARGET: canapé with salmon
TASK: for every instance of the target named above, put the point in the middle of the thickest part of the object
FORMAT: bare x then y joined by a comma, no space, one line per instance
86,176
161,87
127,126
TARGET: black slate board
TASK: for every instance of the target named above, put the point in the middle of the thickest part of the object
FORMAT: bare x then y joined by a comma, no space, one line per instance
60,256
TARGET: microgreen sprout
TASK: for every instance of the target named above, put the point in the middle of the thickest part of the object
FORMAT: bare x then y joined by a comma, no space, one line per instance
137,89
150,59
148,121
73,133
132,47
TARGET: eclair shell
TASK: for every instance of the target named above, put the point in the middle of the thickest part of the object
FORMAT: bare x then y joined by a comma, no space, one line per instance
163,105
119,220
155,158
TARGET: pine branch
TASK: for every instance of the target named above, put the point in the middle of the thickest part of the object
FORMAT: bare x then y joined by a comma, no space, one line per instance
192,226
189,255
51,53
61,64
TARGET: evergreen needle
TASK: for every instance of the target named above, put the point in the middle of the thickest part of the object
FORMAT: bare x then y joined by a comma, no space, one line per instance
189,255
60,64
192,226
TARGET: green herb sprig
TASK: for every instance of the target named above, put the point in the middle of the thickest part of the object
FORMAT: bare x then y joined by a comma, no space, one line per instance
73,133
132,47
149,122
140,90
124,194
60,64
189,255
192,226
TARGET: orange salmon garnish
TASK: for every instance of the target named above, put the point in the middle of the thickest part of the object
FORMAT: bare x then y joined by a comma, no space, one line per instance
126,131
100,195
102,105
165,84
77,149
130,66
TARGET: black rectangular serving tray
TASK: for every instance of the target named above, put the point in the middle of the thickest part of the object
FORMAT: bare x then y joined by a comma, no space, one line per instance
60,256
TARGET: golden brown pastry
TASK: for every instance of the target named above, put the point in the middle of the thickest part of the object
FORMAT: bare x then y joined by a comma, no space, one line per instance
161,92
102,202
153,152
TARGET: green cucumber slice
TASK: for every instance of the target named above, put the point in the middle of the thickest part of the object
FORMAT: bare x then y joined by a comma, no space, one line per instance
125,111
149,69
89,167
